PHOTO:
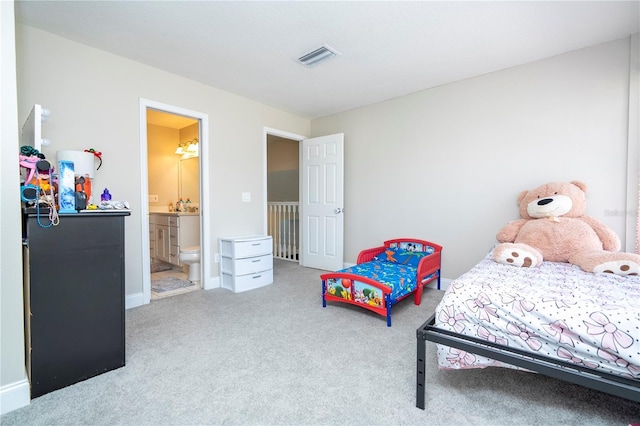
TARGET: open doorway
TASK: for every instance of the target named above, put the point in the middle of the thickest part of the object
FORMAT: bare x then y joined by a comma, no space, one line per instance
282,193
321,200
174,203
283,197
167,177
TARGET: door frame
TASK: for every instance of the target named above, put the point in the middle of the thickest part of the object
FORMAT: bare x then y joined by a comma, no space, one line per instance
287,135
205,232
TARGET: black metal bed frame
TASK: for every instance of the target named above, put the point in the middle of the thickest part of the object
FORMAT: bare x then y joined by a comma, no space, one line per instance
602,381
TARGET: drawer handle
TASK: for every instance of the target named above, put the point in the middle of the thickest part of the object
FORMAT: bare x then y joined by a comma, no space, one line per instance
256,276
254,261
255,244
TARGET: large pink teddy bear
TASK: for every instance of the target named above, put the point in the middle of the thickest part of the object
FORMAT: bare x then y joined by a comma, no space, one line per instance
553,227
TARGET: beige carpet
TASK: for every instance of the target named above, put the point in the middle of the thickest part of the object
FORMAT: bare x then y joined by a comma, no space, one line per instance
274,356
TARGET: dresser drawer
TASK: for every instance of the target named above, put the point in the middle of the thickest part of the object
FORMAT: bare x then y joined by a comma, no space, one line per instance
248,265
246,248
242,283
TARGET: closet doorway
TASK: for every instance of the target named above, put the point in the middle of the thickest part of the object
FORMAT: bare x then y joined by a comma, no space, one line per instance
160,190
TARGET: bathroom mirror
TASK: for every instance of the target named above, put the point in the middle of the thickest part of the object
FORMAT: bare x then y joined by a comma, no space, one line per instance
189,179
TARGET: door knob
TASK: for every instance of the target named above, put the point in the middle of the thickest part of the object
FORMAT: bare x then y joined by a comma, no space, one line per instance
339,210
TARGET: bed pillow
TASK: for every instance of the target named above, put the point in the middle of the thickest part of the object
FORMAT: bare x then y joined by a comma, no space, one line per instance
403,256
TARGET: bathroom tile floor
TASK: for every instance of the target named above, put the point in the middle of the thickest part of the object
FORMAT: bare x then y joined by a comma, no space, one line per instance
176,274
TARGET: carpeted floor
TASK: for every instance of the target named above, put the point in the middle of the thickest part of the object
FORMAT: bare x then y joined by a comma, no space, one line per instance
275,356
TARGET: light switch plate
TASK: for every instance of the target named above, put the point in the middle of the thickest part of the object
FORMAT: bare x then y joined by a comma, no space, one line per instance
153,198
246,197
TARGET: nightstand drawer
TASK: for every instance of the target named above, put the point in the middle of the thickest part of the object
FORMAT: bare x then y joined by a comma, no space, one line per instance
248,265
242,283
240,248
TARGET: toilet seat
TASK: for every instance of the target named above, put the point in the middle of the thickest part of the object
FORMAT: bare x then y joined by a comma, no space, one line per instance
192,249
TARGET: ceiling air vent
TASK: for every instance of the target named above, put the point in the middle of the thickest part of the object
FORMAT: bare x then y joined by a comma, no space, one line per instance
319,55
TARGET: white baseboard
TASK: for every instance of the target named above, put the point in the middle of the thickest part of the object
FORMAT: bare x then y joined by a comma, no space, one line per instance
137,299
14,395
213,283
444,284
133,300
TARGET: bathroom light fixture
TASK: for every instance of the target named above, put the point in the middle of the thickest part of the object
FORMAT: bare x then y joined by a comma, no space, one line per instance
193,146
188,149
318,55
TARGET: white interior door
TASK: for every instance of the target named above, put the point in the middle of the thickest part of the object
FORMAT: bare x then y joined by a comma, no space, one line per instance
322,202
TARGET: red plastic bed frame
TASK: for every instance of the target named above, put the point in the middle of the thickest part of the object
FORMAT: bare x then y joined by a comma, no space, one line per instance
428,265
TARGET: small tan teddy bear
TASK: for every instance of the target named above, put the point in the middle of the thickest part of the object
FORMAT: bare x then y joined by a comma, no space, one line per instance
553,227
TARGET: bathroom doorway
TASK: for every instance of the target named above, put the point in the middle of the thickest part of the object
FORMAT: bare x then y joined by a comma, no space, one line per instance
173,145
174,202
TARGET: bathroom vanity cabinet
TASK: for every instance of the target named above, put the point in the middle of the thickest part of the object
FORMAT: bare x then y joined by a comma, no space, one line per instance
246,262
74,298
169,232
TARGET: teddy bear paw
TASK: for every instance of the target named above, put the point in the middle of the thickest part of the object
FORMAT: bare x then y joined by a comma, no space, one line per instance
518,255
618,267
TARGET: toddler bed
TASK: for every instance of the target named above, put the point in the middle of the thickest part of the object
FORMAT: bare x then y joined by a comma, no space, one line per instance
555,319
385,275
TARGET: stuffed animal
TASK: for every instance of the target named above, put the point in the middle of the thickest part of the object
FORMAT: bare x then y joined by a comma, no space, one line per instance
553,227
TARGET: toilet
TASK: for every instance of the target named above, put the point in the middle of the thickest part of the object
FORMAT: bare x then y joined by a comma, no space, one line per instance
190,256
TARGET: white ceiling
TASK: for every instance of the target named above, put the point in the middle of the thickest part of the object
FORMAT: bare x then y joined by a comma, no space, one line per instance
388,48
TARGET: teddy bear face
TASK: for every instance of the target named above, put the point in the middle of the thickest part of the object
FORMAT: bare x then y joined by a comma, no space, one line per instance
553,200
553,206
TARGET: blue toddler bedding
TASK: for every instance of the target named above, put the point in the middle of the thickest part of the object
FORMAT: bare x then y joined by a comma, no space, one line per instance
395,267
401,279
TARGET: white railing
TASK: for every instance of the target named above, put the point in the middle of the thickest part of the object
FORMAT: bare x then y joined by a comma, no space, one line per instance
284,228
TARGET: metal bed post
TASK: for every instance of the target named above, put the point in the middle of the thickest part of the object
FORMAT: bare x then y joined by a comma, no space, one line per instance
387,301
420,373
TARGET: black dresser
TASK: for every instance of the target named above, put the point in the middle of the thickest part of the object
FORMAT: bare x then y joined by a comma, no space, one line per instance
74,297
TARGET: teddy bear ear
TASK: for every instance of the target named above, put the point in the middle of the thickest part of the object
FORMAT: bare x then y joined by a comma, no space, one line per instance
521,196
581,185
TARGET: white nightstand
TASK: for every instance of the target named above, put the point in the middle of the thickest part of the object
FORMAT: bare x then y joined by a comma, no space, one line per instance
246,262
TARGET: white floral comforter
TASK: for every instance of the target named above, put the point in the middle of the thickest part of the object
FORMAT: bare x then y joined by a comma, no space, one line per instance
556,310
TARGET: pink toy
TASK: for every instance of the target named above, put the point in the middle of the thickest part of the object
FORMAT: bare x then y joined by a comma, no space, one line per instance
29,162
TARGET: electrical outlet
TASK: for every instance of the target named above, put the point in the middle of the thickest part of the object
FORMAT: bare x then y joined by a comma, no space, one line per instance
216,258
153,198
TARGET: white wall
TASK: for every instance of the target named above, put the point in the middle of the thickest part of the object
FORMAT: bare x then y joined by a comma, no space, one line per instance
94,101
14,387
446,164
163,165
